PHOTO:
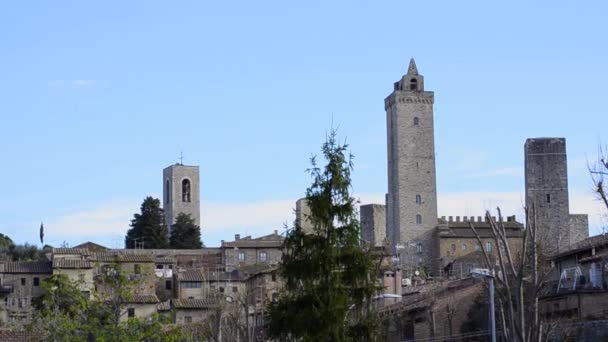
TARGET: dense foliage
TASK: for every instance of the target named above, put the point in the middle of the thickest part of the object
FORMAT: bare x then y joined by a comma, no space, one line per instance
148,227
185,234
64,313
9,251
329,278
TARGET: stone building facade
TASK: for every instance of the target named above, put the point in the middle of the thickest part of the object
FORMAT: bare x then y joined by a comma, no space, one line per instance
459,250
547,191
181,193
19,285
412,193
373,224
244,252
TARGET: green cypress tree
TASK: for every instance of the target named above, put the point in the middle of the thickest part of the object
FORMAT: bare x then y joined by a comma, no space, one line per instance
329,278
148,226
185,233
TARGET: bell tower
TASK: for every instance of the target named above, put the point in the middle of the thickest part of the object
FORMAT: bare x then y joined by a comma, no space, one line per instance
181,193
412,191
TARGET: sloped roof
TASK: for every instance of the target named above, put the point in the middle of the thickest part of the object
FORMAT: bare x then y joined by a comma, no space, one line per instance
33,267
144,299
588,243
194,303
92,246
7,335
122,257
267,241
193,275
164,260
71,263
76,251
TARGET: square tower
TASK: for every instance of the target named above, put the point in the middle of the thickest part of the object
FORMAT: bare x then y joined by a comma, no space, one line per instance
181,193
547,190
412,192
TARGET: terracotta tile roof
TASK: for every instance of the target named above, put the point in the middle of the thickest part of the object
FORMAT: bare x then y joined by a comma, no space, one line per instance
92,246
588,243
194,303
71,263
122,257
34,267
144,299
191,275
77,251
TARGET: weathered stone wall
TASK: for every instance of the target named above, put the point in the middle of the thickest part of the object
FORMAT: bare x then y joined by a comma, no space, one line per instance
173,202
252,257
592,331
302,214
547,191
412,193
373,223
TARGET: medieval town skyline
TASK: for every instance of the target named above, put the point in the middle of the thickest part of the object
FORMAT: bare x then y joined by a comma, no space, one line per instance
94,114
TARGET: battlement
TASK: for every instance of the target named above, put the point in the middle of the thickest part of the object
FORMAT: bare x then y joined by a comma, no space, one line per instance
473,219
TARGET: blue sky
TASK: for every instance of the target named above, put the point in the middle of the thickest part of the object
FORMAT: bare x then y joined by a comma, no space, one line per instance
97,98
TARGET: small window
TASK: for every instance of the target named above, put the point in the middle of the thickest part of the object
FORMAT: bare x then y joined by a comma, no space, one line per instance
274,276
477,247
137,269
416,121
187,319
168,284
22,281
548,198
453,246
413,84
186,197
488,247
470,268
263,256
221,290
170,267
418,219
464,247
36,281
159,267
241,256
418,199
419,248
167,191
275,297
235,289
131,312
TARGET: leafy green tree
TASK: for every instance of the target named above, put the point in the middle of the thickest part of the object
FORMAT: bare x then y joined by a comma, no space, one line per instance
329,278
65,314
185,234
148,226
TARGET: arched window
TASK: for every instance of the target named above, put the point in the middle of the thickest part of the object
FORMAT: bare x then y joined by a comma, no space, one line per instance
416,121
167,191
419,248
186,190
413,84
418,219
418,199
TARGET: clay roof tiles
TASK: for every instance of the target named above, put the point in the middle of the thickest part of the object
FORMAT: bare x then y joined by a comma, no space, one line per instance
34,267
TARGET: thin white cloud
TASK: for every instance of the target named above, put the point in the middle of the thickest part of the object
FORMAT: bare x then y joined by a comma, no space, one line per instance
79,84
500,172
221,220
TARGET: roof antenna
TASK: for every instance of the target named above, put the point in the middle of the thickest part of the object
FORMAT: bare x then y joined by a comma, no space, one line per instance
181,158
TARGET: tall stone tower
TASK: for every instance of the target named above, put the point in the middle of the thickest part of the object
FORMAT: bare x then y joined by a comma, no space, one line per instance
547,190
412,191
181,193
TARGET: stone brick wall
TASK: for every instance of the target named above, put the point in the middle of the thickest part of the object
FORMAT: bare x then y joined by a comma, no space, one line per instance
412,196
172,194
546,172
302,214
373,223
